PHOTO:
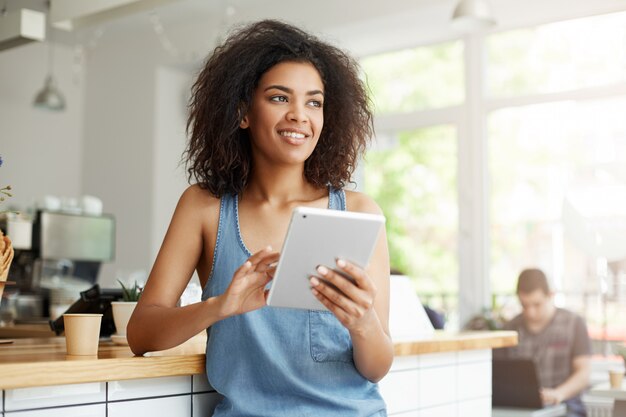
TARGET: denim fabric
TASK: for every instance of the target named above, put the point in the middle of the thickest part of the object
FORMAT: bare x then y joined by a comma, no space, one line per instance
277,361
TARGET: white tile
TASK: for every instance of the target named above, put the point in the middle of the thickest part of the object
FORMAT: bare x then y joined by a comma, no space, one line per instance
476,408
448,410
474,380
400,391
430,360
54,395
95,410
203,404
479,355
201,384
150,387
405,362
414,413
437,386
158,407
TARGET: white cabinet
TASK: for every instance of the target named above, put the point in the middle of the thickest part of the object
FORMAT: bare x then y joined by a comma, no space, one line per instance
154,397
401,391
203,404
54,396
452,384
94,410
149,387
153,407
200,383
448,410
437,386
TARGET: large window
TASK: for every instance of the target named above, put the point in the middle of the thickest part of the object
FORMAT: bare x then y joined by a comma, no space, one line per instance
557,182
416,79
412,172
555,148
556,57
414,181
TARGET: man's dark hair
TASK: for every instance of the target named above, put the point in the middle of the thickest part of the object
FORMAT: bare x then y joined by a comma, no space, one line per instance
218,155
531,280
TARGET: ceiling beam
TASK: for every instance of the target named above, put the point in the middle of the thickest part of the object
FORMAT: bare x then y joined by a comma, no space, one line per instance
20,27
75,14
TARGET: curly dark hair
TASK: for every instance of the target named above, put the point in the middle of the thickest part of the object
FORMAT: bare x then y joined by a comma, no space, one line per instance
218,154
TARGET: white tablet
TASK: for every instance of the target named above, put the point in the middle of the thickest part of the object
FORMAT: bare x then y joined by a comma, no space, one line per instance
318,237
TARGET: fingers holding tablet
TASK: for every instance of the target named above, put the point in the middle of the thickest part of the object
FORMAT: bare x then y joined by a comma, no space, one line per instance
348,292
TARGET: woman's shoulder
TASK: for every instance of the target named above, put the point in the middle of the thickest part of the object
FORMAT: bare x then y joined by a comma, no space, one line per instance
197,197
356,201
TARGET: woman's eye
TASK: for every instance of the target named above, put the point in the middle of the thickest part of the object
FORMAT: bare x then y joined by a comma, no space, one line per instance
281,99
315,103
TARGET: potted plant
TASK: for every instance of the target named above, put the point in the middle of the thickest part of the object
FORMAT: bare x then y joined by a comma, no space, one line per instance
122,310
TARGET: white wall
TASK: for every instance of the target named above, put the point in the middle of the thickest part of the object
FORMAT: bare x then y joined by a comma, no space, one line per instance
169,176
118,148
42,150
120,138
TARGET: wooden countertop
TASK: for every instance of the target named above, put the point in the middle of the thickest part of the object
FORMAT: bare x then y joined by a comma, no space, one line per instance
40,362
452,342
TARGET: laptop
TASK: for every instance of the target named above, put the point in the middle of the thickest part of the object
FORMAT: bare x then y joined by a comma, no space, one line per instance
515,384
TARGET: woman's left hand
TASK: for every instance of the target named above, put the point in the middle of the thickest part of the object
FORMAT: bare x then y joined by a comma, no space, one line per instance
348,293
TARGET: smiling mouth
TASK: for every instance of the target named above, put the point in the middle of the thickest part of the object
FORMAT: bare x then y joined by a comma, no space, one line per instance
292,134
294,138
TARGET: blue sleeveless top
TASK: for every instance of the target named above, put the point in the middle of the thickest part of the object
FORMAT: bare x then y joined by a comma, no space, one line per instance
278,361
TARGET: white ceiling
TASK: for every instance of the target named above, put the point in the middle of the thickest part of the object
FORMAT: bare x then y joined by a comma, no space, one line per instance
363,26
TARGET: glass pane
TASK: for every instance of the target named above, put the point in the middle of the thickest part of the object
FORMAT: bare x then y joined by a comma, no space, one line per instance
416,79
558,202
558,56
414,182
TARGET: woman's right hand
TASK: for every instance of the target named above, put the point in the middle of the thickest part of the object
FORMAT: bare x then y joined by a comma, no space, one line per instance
246,291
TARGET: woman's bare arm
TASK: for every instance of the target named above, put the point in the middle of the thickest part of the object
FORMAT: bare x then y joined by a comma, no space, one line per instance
157,323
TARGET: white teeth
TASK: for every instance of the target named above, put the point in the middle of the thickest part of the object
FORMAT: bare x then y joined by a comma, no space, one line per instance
292,135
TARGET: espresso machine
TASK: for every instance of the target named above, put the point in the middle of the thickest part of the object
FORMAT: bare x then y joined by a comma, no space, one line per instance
57,256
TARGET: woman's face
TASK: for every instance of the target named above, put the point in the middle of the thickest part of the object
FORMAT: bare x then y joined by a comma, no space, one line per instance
286,115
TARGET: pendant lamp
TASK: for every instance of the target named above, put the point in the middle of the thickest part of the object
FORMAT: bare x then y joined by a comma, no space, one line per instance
49,97
472,15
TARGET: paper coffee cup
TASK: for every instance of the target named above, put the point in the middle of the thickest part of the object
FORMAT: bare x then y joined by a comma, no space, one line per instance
616,377
82,333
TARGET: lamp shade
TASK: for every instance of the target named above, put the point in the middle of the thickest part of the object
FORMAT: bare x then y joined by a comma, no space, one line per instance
472,15
49,98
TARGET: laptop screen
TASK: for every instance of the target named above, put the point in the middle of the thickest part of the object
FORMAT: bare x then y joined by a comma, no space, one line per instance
515,384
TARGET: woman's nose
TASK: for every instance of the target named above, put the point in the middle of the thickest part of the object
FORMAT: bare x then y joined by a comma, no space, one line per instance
296,113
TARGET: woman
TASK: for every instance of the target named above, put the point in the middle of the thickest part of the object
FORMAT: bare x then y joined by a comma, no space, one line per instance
277,120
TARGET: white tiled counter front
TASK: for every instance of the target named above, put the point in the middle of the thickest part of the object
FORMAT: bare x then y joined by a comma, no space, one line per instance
156,397
446,384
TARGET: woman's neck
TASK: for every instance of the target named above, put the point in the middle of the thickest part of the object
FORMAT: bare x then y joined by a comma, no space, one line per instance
280,186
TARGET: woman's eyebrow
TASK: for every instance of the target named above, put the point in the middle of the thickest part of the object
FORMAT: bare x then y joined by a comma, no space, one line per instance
290,91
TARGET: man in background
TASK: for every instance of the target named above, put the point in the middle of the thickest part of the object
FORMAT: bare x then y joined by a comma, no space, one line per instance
556,339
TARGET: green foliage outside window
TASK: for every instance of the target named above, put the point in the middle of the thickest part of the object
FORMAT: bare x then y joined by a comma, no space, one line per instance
414,182
416,79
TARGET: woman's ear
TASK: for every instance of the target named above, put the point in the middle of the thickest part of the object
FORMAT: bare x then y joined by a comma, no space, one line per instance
244,124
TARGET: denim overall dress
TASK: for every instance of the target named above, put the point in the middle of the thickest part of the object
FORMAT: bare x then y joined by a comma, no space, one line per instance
276,361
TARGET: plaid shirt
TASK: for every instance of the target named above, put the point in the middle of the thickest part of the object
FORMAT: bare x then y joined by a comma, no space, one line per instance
553,349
